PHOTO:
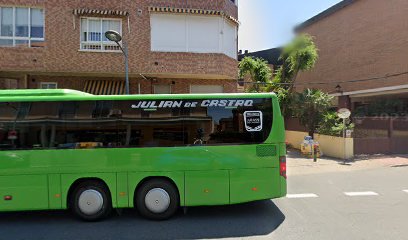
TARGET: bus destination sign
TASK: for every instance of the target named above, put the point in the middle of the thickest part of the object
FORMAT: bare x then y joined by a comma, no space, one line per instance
192,104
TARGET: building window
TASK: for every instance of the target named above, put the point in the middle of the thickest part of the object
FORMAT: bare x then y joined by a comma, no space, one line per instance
93,34
197,34
206,89
162,89
6,83
48,85
21,26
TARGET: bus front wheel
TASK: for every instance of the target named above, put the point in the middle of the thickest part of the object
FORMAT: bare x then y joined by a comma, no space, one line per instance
157,199
91,201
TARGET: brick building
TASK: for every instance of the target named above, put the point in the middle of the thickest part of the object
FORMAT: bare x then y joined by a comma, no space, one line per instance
363,49
363,52
175,46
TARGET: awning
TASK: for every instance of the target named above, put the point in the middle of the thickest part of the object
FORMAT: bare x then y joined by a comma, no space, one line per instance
398,89
192,11
84,11
105,87
184,10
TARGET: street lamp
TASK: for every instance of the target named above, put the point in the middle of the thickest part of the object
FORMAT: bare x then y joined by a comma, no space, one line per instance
116,37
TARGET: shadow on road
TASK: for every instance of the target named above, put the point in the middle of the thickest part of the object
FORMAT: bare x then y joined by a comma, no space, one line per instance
400,166
252,219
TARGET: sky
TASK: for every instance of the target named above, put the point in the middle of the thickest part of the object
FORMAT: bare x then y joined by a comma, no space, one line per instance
270,23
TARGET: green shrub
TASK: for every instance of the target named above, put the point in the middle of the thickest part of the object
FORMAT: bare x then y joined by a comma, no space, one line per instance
332,125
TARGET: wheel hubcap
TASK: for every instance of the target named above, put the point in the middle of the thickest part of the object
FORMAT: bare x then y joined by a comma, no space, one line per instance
90,202
157,200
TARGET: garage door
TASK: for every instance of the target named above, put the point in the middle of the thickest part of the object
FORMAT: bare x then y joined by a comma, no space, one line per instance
206,89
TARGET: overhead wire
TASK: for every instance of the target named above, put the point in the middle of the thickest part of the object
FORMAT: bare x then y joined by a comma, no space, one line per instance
337,82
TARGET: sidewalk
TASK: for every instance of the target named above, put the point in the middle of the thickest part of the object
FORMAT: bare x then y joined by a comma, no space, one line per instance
300,165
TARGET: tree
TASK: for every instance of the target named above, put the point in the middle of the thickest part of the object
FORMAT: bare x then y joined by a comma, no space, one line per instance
299,55
285,101
258,70
310,106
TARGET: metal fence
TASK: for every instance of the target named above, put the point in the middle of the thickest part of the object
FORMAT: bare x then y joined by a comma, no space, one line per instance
387,135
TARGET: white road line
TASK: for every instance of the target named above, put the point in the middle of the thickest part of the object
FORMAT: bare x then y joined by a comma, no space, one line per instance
405,191
303,195
355,194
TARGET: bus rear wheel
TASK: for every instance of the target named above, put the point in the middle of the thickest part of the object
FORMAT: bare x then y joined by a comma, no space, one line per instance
91,201
157,199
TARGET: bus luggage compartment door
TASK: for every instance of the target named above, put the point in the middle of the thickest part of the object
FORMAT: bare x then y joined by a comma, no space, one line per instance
23,192
207,187
254,184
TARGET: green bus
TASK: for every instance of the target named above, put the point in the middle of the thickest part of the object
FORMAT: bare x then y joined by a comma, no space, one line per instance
65,149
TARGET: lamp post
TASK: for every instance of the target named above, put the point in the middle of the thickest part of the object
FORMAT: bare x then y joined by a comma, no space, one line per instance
116,37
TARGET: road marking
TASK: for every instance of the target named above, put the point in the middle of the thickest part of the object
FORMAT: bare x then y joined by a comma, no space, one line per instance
355,194
303,195
405,191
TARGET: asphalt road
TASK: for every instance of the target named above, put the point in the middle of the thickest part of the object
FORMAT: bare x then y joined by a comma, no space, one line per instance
317,208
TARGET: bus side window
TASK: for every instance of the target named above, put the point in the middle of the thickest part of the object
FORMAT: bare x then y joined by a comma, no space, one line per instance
22,129
226,125
8,116
155,127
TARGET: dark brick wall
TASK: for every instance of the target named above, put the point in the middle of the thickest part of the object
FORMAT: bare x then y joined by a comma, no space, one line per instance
366,39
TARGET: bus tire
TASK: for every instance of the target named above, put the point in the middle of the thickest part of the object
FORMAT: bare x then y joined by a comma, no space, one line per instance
91,201
157,199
